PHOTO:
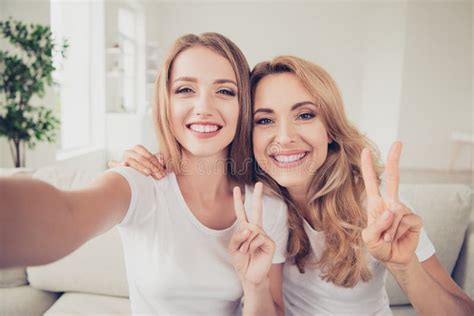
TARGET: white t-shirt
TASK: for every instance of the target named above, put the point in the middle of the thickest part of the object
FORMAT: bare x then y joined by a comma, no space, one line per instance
308,294
176,265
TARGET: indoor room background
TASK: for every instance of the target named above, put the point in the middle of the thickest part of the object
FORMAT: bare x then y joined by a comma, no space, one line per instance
404,69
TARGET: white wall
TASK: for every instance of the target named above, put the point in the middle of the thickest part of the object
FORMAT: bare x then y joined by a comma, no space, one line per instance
436,83
404,68
328,33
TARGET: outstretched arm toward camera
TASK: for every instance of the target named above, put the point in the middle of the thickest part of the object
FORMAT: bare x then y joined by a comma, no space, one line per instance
40,224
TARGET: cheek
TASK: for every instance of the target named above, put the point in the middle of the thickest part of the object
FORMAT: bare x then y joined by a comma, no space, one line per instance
232,114
177,113
260,143
320,144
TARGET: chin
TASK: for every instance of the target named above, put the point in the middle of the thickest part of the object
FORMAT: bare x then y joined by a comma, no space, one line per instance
289,181
207,151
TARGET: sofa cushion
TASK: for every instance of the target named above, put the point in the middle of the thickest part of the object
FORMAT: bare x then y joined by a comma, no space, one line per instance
403,310
464,271
446,210
66,178
96,267
25,300
13,277
89,304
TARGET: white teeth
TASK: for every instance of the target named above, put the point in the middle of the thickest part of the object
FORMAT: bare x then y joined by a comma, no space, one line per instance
291,158
204,128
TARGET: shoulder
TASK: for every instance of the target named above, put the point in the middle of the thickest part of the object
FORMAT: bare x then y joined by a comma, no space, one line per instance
135,178
147,195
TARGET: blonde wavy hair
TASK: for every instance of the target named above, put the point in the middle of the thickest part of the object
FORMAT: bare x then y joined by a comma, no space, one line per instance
337,192
240,148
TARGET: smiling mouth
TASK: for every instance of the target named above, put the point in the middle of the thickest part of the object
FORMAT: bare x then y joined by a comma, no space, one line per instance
204,128
287,161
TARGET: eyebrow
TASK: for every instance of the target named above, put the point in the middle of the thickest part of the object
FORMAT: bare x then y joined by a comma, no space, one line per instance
218,81
294,107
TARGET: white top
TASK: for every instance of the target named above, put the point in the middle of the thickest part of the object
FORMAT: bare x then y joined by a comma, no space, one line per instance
308,294
176,265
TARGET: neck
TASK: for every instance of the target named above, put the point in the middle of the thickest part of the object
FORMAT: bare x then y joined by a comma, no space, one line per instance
206,177
298,194
300,198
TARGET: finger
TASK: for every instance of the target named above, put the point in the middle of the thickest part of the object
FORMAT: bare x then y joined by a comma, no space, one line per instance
263,243
148,165
239,206
401,231
237,239
138,166
140,149
373,232
410,222
392,171
398,211
160,159
257,204
113,164
244,247
369,175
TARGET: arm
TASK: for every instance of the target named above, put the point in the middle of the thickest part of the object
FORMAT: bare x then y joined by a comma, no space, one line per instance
265,298
392,236
424,281
40,224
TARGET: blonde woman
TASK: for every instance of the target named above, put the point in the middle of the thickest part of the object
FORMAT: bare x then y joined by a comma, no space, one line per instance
177,232
344,234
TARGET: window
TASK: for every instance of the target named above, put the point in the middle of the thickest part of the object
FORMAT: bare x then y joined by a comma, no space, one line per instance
81,76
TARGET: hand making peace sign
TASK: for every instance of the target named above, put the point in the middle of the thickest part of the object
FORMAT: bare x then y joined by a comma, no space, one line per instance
250,247
393,230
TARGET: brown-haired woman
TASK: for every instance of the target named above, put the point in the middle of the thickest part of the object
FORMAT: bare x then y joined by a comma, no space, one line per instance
177,232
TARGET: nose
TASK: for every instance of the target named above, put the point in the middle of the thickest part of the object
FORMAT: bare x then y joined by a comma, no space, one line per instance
204,104
286,133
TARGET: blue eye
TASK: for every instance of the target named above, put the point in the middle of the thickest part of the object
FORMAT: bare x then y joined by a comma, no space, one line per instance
306,116
227,92
263,121
184,90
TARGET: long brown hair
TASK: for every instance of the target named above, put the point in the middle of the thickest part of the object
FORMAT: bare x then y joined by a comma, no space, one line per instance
336,193
240,149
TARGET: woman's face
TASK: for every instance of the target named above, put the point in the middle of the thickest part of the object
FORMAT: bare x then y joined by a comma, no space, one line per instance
204,106
290,142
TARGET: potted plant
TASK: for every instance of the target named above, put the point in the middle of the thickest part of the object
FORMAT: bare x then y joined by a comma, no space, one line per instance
25,71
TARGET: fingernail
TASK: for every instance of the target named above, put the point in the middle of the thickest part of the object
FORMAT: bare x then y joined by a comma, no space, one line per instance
245,232
147,171
123,163
387,237
157,174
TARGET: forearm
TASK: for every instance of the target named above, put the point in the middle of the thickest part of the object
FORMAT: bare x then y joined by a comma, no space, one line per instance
426,295
258,300
35,223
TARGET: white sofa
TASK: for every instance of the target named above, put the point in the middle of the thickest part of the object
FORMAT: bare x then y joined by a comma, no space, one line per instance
92,280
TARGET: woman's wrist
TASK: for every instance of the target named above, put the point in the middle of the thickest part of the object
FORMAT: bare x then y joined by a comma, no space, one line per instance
403,272
252,287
